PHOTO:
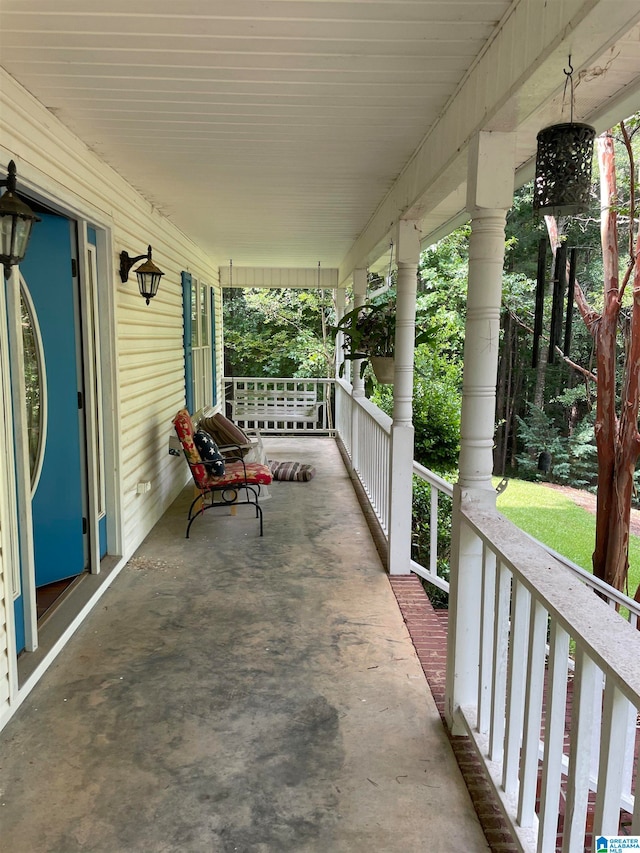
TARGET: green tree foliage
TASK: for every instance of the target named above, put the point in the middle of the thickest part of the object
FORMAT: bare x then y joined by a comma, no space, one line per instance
442,290
573,458
437,384
277,332
436,409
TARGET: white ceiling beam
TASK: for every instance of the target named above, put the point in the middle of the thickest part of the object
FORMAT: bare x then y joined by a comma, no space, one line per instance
292,277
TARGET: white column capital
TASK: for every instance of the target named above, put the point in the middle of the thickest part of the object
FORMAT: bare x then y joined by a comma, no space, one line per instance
359,283
490,177
407,241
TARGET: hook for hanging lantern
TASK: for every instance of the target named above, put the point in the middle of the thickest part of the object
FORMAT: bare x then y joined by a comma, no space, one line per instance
230,273
569,81
390,263
318,275
570,71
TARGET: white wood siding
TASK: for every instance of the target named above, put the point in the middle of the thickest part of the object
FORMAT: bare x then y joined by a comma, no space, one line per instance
147,341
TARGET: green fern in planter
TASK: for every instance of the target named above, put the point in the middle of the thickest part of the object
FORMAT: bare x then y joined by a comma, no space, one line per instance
370,331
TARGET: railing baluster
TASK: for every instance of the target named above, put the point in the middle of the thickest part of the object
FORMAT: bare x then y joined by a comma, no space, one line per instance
499,664
485,671
520,605
629,751
538,621
635,822
433,531
610,774
553,737
587,679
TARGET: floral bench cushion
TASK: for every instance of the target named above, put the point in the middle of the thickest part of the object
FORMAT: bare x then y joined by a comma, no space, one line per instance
234,475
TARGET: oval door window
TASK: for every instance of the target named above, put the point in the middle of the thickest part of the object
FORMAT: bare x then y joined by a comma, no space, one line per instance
34,385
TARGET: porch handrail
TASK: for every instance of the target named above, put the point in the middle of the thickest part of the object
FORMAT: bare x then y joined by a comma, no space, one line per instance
365,431
613,597
440,487
525,594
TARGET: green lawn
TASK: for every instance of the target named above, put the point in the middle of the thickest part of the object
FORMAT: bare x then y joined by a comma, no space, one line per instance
556,520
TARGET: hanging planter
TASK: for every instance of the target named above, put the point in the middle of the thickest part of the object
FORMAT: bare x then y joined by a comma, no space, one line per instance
369,337
383,367
563,169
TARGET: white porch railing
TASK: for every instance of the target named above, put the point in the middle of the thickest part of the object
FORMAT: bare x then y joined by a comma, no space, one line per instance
365,432
531,613
284,403
366,438
557,688
343,414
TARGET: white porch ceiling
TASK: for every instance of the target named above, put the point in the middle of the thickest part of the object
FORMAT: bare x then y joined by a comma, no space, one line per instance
270,131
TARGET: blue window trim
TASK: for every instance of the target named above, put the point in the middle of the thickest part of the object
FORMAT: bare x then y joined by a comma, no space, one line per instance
188,352
187,293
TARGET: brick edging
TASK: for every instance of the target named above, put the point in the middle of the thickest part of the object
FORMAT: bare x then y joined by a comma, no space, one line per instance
428,630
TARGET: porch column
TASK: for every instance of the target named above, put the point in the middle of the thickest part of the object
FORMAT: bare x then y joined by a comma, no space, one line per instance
357,384
401,457
489,195
359,298
340,306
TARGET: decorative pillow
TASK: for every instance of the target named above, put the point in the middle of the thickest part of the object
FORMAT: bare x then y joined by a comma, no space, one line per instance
209,453
224,431
291,471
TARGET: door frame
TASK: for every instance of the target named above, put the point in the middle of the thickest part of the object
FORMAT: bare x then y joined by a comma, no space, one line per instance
17,505
8,497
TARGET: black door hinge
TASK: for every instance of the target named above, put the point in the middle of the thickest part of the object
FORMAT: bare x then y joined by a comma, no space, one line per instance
74,268
80,400
85,526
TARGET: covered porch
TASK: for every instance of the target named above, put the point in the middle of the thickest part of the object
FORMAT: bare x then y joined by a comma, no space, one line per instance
300,140
238,693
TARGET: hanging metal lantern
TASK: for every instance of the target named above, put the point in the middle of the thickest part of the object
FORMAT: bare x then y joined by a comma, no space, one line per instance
563,169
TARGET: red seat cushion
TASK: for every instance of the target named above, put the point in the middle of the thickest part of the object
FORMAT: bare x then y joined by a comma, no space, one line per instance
234,475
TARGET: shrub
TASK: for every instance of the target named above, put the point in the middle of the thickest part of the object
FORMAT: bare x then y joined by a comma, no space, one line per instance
421,537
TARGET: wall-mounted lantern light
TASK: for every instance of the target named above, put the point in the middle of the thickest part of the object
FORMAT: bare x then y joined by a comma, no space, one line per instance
148,273
564,155
16,220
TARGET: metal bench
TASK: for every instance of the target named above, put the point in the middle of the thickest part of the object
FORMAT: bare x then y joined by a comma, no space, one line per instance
240,484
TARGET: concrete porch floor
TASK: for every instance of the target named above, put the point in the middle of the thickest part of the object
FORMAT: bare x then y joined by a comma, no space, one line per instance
232,693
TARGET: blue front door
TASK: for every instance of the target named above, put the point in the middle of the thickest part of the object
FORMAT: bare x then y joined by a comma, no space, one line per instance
59,525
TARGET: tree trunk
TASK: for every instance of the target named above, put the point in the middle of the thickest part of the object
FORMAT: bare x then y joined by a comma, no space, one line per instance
616,438
502,396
